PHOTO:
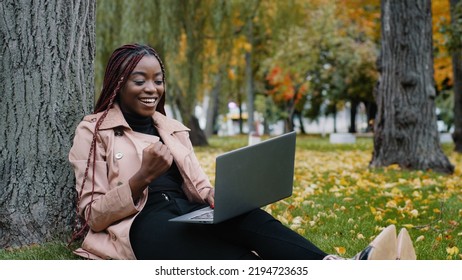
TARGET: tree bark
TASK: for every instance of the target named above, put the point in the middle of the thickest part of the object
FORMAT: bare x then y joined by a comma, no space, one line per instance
457,70
405,128
46,87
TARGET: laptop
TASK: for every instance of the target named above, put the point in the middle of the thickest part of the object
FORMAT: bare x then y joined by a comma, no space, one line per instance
249,178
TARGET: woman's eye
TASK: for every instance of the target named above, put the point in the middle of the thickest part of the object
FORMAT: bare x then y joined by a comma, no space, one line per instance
159,83
138,83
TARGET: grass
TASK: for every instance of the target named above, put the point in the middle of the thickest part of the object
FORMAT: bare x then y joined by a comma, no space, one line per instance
341,205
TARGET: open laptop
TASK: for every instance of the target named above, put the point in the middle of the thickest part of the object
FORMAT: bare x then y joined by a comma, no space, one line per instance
249,178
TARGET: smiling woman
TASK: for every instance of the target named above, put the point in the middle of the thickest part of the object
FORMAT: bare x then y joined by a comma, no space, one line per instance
136,169
144,88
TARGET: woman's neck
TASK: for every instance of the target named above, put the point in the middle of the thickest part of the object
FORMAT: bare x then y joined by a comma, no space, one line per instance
137,122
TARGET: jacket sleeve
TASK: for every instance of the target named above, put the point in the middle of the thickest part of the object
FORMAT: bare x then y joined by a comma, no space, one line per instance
199,180
203,185
100,203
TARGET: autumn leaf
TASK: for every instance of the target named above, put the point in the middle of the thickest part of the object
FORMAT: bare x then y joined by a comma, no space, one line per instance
420,238
340,250
452,250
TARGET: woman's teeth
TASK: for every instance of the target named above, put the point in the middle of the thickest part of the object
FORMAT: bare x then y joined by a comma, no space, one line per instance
148,100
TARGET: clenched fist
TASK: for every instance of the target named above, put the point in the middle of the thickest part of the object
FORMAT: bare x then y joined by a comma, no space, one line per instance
156,160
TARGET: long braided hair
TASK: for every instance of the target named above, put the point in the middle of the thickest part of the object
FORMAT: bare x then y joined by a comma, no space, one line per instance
120,65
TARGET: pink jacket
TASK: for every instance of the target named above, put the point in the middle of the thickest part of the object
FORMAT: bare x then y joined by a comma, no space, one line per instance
118,157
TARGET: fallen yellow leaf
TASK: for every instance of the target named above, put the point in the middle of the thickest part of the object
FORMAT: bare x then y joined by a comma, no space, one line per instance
452,250
340,250
391,204
390,221
414,213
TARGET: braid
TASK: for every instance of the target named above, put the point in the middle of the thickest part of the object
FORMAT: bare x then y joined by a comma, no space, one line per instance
121,63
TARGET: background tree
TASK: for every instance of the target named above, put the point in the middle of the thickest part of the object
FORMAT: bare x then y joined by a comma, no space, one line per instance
46,86
455,46
327,50
405,128
219,45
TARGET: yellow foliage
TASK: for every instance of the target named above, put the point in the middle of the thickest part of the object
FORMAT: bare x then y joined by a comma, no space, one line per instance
411,199
420,238
340,250
452,250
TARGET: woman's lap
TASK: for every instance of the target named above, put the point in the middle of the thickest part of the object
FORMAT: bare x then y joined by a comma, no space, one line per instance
154,237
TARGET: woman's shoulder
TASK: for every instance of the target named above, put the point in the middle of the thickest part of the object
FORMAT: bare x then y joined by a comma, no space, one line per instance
169,123
92,118
88,122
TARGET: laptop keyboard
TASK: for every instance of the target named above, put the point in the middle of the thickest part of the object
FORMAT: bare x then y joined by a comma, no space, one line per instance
206,215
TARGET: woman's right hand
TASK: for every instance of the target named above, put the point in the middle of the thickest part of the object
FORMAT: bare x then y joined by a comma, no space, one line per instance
156,160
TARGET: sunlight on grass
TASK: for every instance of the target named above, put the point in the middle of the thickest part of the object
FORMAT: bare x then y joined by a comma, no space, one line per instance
341,205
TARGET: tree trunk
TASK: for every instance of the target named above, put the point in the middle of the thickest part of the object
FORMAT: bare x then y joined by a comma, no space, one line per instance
196,134
212,110
249,78
334,115
457,69
353,113
241,119
405,128
46,84
371,111
298,114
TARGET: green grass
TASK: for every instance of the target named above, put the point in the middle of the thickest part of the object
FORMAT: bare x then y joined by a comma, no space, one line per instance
49,251
341,204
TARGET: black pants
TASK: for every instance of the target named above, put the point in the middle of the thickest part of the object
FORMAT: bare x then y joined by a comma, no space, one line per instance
152,236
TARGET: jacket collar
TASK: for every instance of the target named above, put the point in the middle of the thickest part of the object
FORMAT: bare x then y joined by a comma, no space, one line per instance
115,118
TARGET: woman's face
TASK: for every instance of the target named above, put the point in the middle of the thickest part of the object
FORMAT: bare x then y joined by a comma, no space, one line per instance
143,89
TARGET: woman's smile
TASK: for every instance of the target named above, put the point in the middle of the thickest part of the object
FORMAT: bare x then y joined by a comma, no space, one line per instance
150,102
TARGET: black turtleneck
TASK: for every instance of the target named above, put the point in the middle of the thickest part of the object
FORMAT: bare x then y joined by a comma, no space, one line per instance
170,180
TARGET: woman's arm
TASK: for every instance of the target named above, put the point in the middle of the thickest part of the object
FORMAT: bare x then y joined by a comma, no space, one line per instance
100,203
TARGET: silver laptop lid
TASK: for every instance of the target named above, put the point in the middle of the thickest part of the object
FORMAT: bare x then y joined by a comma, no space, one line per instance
254,176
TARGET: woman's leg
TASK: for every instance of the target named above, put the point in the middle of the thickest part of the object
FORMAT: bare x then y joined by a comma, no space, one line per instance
270,239
152,236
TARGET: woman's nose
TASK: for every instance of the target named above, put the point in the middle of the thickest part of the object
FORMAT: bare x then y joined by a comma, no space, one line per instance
150,87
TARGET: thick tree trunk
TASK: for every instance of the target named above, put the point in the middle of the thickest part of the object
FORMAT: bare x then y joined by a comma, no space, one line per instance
457,69
46,55
405,129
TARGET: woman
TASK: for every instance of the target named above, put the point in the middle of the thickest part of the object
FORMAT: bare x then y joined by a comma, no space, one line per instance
135,169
